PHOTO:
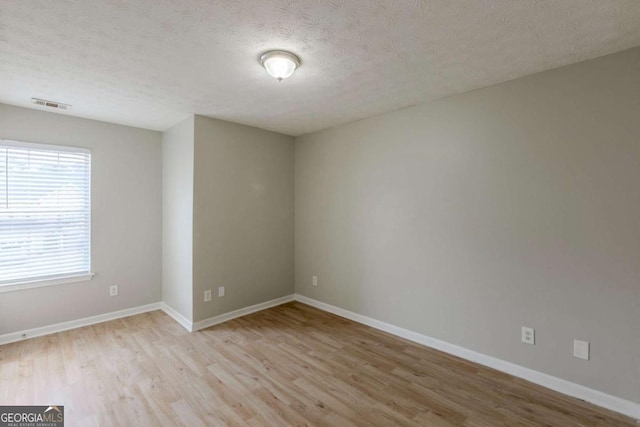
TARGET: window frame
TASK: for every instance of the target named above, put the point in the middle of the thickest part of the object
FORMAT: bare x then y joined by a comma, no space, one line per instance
58,279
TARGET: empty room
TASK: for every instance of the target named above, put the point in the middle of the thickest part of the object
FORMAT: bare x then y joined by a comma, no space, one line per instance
319,212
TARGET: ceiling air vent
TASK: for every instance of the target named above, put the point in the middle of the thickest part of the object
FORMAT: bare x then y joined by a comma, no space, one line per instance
50,104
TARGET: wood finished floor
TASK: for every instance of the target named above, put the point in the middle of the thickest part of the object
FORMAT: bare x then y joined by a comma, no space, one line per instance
289,365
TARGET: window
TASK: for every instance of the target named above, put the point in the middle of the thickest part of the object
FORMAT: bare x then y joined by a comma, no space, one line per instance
45,214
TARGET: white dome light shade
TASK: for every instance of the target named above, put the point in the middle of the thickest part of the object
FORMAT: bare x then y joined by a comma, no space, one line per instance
279,63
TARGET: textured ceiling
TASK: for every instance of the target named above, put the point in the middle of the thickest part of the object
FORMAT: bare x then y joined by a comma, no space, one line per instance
151,63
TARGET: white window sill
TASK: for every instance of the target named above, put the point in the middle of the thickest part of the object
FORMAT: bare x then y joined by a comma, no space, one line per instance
19,286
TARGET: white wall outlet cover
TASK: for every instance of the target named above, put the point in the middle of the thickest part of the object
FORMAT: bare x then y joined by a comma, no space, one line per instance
207,295
221,291
315,280
113,290
528,335
581,349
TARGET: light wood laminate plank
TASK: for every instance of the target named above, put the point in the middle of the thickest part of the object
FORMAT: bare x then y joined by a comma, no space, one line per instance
288,365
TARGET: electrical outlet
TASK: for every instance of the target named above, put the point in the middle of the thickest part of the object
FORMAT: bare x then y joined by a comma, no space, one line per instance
528,335
221,291
315,280
207,295
581,349
113,290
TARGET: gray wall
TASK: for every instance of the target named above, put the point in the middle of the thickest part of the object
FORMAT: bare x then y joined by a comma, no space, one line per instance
242,216
126,218
469,217
177,213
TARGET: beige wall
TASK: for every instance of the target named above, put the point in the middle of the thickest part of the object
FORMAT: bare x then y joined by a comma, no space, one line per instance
469,217
177,213
126,218
243,216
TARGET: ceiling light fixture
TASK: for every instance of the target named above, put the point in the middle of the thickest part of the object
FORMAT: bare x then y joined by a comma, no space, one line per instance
279,63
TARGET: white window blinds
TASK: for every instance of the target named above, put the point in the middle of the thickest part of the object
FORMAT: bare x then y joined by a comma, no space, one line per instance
45,212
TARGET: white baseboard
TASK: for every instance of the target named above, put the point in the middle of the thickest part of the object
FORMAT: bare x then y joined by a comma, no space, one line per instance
72,324
599,398
202,324
186,323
